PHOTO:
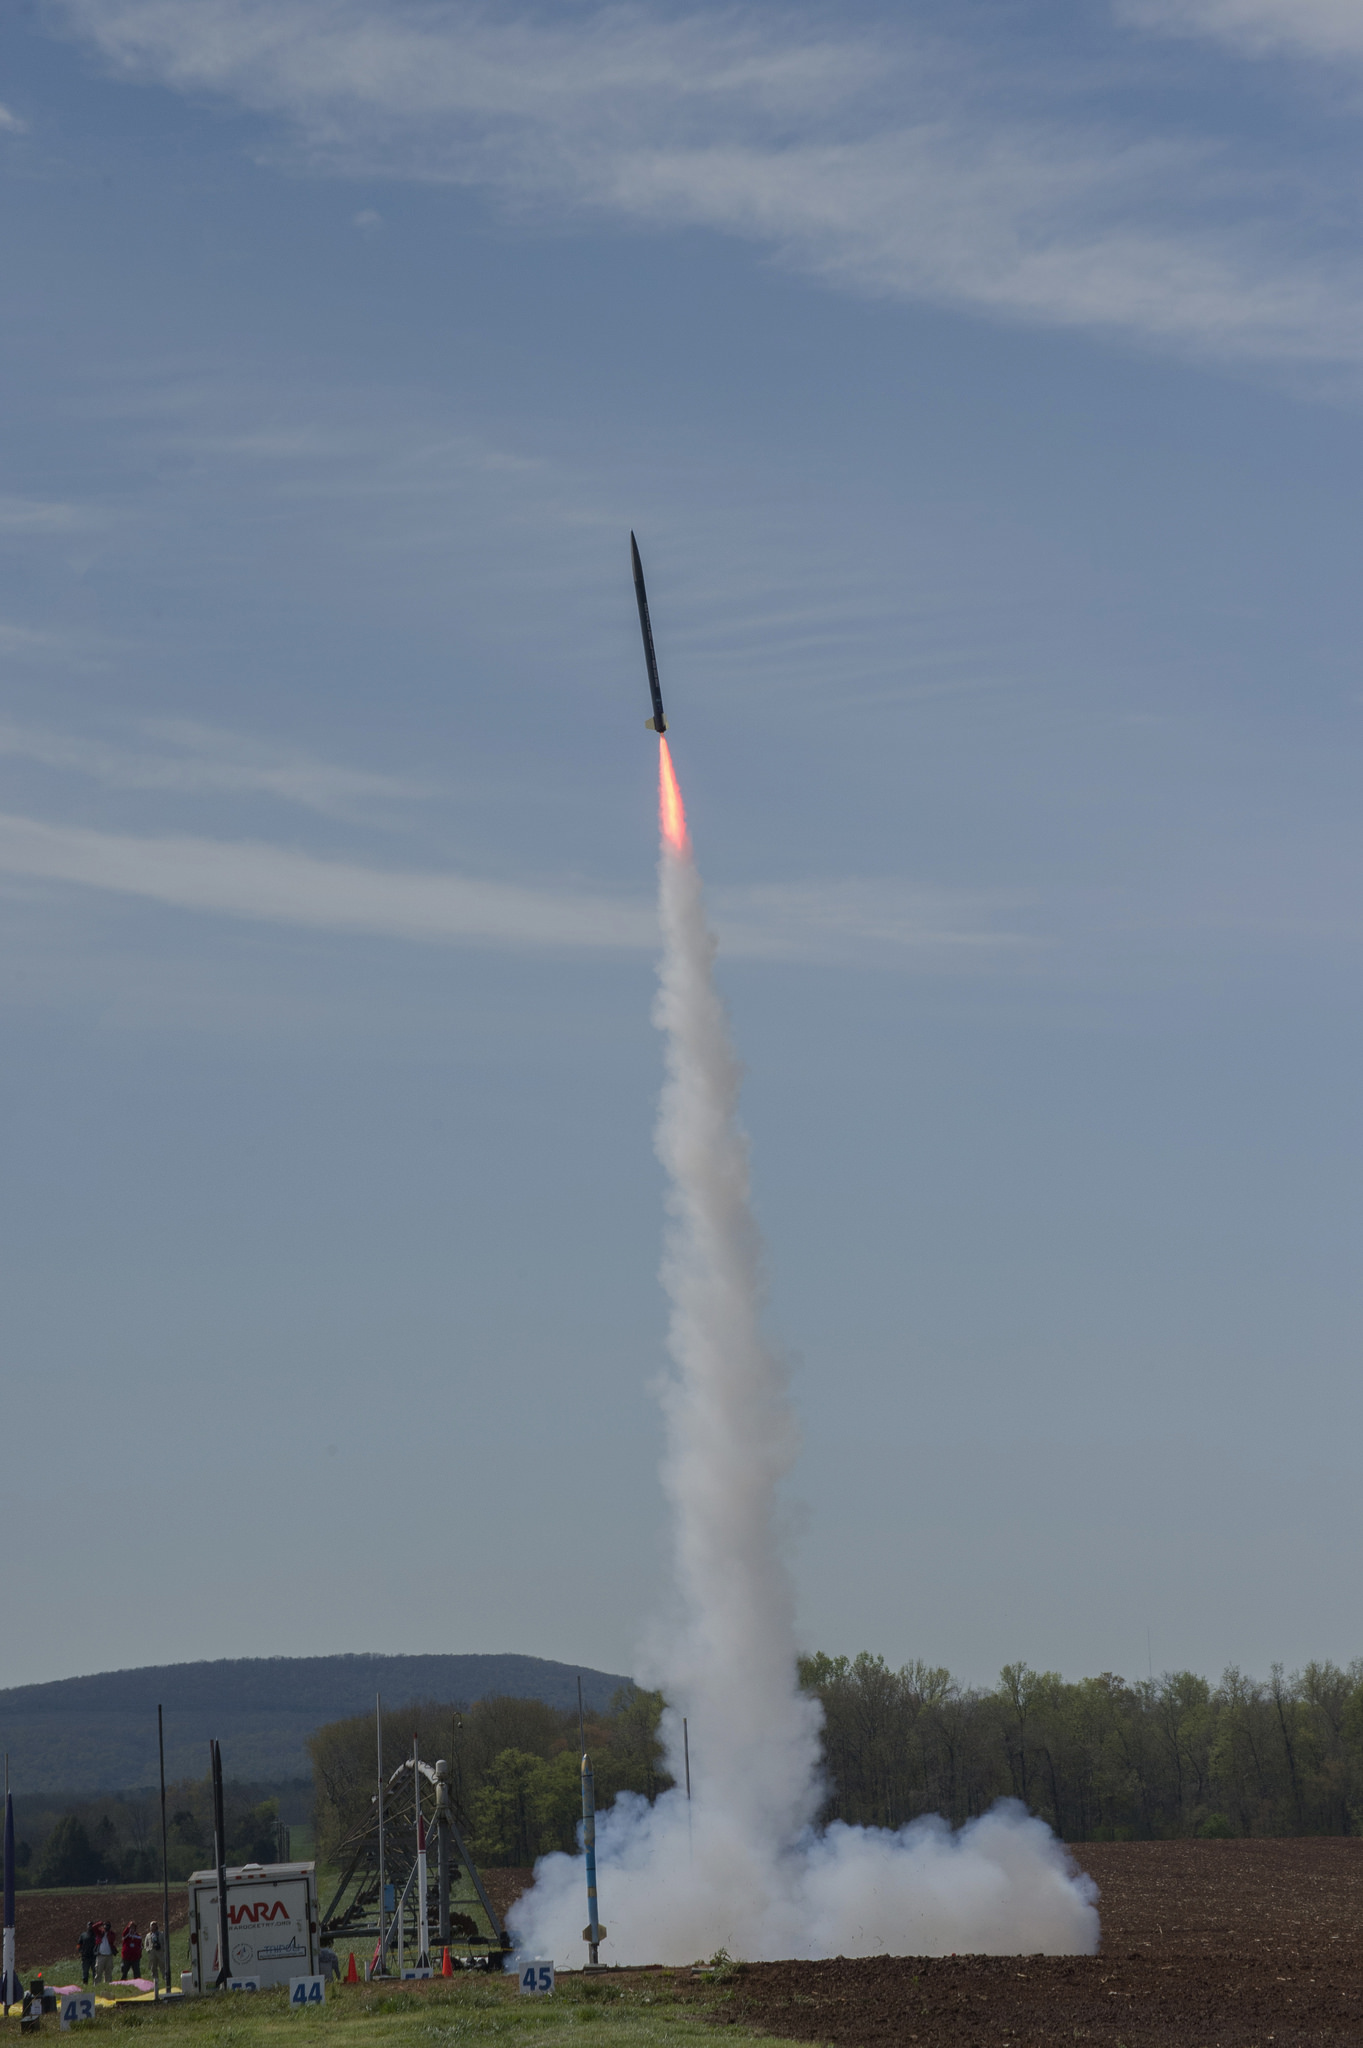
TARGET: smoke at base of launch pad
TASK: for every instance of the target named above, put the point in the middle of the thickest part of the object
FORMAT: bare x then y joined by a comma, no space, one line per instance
742,1865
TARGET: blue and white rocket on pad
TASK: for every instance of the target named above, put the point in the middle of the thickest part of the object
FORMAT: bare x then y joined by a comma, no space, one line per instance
593,1933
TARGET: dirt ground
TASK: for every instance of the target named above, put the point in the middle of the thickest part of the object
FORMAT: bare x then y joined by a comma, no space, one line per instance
46,1924
504,1887
1206,1943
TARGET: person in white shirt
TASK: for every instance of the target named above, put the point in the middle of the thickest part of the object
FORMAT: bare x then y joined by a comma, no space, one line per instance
153,1950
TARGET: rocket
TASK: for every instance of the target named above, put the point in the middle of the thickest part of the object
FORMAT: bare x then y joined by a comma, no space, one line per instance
11,1992
657,723
593,1933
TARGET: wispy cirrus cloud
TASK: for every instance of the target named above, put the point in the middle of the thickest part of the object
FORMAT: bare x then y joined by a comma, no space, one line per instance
182,758
43,646
282,885
861,920
48,515
1329,29
279,885
882,160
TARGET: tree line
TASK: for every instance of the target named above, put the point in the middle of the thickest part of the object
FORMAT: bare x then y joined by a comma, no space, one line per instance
116,1838
515,1769
1101,1759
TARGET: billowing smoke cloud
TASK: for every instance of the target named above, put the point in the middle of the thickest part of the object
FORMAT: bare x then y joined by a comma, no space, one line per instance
741,1866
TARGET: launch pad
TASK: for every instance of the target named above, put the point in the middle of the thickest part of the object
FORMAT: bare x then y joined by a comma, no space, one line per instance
386,1855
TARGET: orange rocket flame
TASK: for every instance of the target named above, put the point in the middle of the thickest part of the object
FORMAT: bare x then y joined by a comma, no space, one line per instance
671,813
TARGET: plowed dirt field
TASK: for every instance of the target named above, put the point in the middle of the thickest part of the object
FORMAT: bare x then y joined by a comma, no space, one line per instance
48,1923
504,1887
1207,1943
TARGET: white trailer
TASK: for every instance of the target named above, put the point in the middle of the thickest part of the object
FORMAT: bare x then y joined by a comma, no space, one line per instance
272,1923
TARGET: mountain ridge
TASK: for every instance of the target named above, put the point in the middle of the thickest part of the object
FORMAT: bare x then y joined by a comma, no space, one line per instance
97,1732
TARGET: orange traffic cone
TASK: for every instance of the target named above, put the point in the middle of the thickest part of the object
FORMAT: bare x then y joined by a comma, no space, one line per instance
352,1975
446,1966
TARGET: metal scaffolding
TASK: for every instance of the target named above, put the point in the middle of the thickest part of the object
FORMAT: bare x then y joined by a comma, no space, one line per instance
460,1916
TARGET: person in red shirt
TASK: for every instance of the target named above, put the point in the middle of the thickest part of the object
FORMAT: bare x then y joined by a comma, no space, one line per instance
132,1950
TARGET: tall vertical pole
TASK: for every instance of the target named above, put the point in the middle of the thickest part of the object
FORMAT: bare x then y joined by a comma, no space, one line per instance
686,1752
11,1994
593,1927
423,1960
220,1858
690,1830
383,1886
165,1851
442,1850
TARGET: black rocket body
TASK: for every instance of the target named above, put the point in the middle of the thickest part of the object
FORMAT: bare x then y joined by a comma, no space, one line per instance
657,723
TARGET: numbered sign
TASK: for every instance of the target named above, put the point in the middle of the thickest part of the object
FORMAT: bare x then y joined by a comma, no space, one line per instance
243,1983
424,1971
305,1991
77,2005
536,1975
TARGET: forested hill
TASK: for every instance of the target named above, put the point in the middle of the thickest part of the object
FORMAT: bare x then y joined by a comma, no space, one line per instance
98,1733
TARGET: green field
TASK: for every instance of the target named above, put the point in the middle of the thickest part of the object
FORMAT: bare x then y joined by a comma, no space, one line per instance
632,2010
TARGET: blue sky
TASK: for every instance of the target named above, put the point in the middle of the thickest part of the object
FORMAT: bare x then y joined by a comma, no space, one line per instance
985,385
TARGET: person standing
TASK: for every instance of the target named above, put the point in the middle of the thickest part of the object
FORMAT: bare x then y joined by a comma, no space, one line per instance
152,1947
132,1951
86,1943
104,1953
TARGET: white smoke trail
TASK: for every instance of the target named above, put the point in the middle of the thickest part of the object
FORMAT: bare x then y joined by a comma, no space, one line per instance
742,1866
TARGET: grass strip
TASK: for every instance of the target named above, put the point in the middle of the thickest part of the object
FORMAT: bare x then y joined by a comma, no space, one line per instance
625,2009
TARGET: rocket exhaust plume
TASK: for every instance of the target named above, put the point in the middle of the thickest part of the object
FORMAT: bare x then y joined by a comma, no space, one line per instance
671,810
742,1866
